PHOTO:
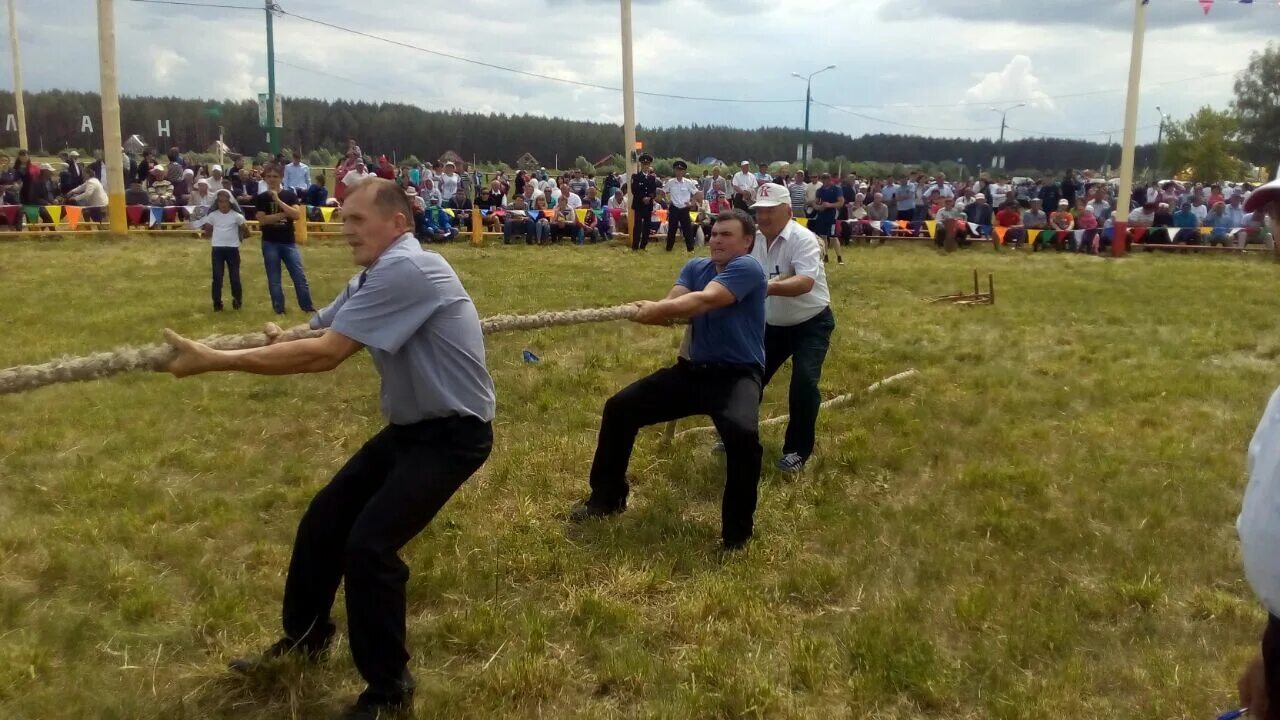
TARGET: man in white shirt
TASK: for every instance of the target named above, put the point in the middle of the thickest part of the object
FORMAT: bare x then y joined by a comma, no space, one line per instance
449,181
359,174
1258,526
679,191
798,318
297,176
744,187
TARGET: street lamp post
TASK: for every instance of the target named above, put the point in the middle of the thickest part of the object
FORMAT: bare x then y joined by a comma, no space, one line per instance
1003,115
808,100
1160,144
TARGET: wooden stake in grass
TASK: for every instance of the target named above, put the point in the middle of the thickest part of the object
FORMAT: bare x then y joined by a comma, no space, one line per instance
157,357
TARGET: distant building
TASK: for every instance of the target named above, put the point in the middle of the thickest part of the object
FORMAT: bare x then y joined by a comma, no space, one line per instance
711,162
134,144
451,157
528,163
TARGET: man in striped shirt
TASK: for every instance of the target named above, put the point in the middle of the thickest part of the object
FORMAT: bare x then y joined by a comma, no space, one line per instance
799,192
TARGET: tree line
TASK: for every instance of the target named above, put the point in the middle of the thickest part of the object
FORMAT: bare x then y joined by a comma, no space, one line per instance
54,120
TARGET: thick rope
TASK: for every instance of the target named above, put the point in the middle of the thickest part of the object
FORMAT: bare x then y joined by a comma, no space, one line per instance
833,403
157,357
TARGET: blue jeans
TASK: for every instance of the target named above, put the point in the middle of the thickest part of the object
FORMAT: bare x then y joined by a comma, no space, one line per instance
273,254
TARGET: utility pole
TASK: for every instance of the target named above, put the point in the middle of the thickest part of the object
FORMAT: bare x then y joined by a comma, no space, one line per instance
808,100
18,105
273,132
111,145
1106,158
628,106
1120,237
1004,115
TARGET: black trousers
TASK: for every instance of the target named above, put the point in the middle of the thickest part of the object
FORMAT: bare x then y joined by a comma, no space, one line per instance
806,345
354,529
730,394
641,215
226,259
1271,666
679,217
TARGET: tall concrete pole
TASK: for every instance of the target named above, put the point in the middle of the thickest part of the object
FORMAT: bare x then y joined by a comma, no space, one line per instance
628,104
111,143
1130,131
273,131
19,107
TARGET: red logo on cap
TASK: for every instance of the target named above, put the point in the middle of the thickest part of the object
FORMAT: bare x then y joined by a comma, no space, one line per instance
764,191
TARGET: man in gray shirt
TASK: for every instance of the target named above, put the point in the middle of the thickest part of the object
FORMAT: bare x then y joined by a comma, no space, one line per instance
410,310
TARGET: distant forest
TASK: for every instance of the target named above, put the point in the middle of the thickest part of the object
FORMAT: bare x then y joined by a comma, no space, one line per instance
54,122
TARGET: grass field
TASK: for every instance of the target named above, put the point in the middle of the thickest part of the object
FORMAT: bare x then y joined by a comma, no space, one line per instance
1039,526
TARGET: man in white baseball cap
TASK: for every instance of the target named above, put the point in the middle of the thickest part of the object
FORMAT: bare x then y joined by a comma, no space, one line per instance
798,318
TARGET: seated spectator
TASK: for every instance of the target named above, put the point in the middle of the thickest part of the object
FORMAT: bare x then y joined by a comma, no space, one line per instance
429,192
564,222
435,223
978,211
358,173
1187,225
160,191
952,227
1033,221
575,200
1062,219
201,200
1010,218
419,208
1220,223
541,215
1255,230
617,207
90,195
517,222
317,194
590,226
489,206
136,194
460,204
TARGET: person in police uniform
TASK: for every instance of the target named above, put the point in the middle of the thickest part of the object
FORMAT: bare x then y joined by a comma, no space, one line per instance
644,189
679,191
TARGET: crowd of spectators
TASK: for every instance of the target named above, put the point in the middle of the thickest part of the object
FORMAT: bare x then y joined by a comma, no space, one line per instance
538,208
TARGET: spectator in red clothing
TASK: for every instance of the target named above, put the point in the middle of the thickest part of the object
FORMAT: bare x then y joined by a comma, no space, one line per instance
385,169
1009,217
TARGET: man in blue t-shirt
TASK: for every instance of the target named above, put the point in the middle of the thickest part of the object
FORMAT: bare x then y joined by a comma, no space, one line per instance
723,298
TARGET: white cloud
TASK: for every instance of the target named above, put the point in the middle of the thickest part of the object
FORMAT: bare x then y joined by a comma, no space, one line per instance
166,62
1017,81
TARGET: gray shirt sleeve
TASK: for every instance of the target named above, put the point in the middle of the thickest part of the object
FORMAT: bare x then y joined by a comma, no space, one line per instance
396,300
324,317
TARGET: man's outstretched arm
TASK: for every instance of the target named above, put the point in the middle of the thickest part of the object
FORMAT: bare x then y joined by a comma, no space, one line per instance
309,355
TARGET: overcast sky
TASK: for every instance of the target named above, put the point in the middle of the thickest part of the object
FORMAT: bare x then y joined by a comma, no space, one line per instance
933,66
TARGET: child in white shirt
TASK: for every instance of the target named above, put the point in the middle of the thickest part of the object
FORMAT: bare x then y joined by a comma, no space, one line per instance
225,227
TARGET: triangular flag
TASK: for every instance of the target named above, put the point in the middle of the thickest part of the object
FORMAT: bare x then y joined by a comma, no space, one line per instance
55,212
191,209
1000,231
157,214
932,225
326,212
32,212
1079,234
582,214
73,216
902,224
984,230
886,226
449,212
1205,5
133,214
802,221
973,228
